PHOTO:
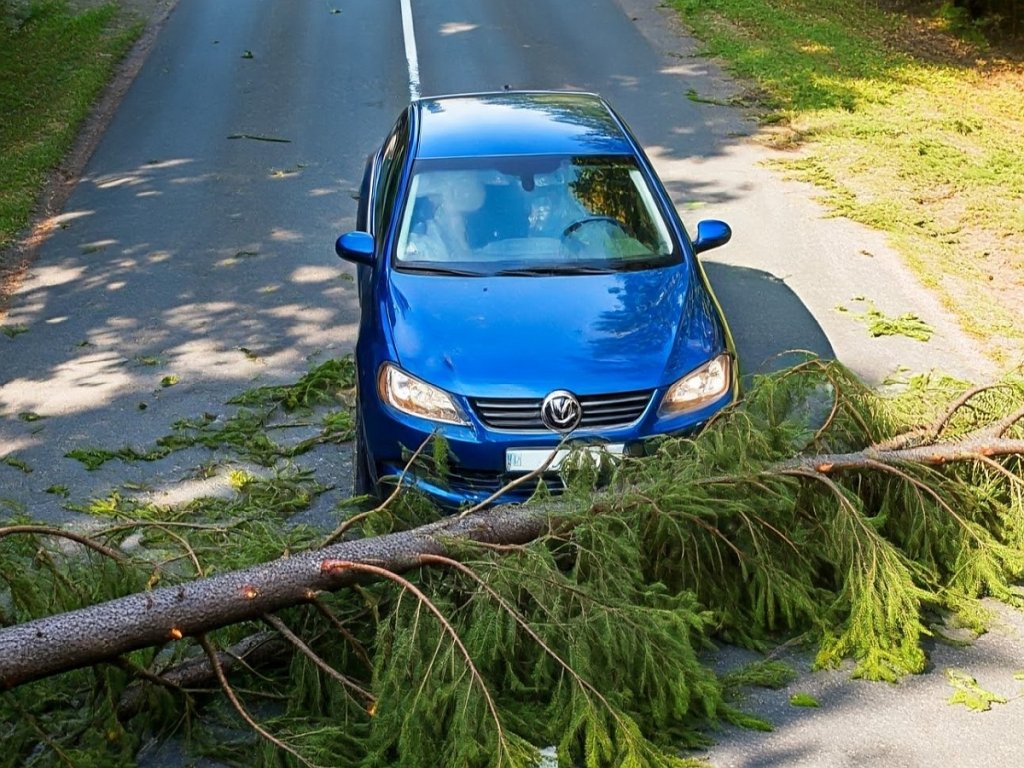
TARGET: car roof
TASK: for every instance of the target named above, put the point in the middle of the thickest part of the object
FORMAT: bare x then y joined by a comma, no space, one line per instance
518,123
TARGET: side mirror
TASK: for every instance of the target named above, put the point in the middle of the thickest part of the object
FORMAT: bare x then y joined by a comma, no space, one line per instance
711,234
356,247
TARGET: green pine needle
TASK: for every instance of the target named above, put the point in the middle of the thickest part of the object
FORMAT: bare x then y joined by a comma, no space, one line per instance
967,692
803,700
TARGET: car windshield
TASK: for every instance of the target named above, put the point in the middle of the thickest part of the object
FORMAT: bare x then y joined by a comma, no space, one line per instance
535,215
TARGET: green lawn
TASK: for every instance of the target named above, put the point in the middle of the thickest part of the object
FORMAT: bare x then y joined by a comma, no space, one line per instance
53,64
905,127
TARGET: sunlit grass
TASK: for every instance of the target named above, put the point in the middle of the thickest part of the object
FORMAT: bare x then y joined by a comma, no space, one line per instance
905,129
53,63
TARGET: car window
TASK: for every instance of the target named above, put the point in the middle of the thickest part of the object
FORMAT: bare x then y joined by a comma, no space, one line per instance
551,214
390,173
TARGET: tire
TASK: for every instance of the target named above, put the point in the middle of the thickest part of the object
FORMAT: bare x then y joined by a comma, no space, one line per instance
363,478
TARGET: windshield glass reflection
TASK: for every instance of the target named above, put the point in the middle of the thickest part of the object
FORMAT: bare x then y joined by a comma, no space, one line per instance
536,215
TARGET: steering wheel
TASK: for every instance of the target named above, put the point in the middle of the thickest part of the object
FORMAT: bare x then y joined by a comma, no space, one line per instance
575,226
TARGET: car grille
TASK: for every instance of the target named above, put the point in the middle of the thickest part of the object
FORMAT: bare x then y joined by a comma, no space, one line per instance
470,482
599,411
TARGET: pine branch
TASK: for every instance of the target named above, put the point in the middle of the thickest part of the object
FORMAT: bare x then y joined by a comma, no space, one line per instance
341,566
78,538
935,454
50,645
310,654
1001,427
192,673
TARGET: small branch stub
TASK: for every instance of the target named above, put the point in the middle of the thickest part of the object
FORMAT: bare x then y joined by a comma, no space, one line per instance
176,633
249,592
331,567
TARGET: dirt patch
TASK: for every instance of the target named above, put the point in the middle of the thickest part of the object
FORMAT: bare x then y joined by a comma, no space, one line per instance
15,260
926,36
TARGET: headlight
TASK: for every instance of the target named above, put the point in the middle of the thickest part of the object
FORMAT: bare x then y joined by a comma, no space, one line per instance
417,398
699,387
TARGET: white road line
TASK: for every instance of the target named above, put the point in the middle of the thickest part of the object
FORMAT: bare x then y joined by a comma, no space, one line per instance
410,49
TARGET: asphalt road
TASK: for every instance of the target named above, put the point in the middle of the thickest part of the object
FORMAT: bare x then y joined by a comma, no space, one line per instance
204,223
199,244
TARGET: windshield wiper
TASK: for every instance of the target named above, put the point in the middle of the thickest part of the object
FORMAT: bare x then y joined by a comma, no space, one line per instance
432,270
563,269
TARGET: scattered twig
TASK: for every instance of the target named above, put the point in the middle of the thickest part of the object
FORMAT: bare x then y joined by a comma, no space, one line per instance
346,524
313,656
352,640
45,530
517,482
214,658
253,137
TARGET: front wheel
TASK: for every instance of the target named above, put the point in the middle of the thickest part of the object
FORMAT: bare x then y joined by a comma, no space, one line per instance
363,478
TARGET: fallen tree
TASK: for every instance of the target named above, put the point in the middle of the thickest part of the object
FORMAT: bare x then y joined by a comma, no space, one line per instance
102,632
816,507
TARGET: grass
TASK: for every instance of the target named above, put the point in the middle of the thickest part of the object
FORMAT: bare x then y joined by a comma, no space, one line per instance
905,127
53,64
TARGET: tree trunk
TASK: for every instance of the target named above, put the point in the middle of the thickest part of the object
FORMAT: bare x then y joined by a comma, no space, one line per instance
55,644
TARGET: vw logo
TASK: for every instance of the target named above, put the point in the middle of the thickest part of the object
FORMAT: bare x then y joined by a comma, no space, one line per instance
561,411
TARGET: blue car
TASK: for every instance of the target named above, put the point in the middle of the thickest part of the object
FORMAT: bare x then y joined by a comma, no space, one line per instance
525,284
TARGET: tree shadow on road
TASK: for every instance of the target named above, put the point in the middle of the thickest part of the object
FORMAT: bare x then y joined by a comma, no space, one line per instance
772,327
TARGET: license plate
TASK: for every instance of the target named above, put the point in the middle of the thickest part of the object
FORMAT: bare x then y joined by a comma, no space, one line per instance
530,459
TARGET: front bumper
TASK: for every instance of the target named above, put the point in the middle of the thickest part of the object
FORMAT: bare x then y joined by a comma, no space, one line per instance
477,453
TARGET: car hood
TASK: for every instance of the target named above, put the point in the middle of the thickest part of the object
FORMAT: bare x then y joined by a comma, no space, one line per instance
525,336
